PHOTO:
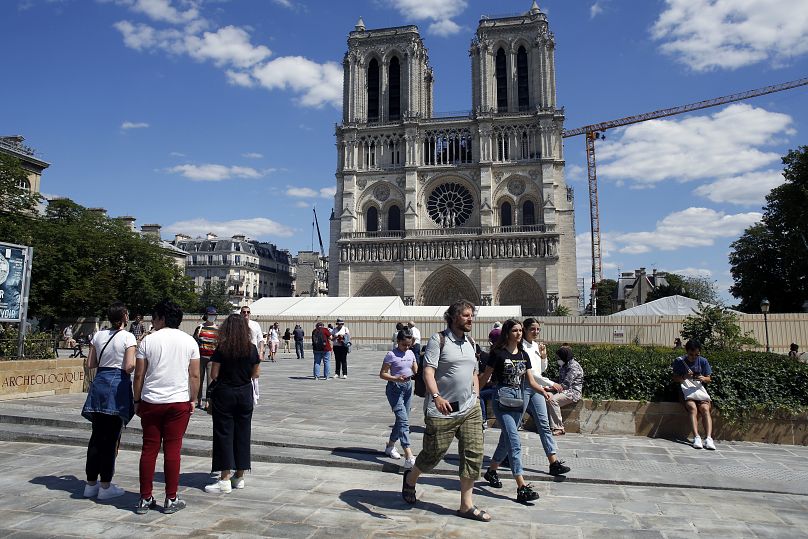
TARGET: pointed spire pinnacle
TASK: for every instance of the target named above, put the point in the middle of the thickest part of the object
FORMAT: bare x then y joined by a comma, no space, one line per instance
360,25
534,9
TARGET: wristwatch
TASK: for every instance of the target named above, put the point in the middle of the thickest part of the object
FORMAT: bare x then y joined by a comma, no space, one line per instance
435,396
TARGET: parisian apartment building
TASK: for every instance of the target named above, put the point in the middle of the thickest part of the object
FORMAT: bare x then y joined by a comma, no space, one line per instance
249,269
311,274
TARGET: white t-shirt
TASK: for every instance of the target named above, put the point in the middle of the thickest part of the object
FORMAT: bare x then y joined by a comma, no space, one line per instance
256,335
416,335
539,363
116,350
273,335
169,352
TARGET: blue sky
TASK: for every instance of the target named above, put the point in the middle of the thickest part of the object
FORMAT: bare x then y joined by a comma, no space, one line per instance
216,115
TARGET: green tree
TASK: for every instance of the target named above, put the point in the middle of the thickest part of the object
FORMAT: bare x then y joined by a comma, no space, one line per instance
768,260
606,289
214,295
17,204
562,310
699,288
716,328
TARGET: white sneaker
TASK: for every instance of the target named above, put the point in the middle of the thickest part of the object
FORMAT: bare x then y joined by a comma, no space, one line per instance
113,491
391,452
219,487
708,444
409,463
237,482
91,491
697,443
344,376
336,376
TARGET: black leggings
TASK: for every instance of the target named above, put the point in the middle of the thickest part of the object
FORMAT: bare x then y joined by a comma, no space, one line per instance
341,359
103,447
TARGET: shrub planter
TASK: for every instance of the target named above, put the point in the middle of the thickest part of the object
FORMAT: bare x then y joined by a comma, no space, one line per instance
669,420
40,377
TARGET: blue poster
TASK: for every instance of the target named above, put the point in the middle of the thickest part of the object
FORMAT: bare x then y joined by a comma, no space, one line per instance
12,276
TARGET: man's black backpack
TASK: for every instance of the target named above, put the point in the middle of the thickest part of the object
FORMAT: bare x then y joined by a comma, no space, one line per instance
420,385
318,340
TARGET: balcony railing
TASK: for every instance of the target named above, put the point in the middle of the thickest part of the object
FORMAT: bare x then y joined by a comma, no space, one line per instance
459,231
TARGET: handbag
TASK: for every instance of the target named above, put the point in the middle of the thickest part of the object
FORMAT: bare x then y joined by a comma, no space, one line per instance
693,390
510,397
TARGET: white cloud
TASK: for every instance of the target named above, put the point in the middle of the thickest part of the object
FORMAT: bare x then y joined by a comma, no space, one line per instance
318,84
258,228
444,28
226,46
726,143
692,272
164,11
252,155
176,154
143,37
440,12
693,227
215,173
595,9
308,192
302,204
239,78
285,3
134,125
575,173
728,34
746,189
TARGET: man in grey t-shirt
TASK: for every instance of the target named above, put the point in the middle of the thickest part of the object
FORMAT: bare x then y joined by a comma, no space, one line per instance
451,409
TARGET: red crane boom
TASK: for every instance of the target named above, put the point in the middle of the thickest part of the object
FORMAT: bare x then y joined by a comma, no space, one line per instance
593,132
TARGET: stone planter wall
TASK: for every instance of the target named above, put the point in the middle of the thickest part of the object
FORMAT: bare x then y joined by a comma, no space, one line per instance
669,420
40,377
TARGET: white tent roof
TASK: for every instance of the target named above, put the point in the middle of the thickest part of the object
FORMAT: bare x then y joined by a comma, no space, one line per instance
673,305
373,306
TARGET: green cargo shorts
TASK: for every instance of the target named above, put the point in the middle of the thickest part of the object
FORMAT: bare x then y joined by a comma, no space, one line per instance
438,437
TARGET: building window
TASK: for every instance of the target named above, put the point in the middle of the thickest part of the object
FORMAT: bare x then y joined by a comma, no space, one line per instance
394,218
394,89
372,220
450,205
238,260
502,81
373,91
505,214
210,260
502,146
528,213
521,79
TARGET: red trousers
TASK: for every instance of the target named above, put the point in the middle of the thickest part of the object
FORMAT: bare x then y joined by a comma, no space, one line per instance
163,424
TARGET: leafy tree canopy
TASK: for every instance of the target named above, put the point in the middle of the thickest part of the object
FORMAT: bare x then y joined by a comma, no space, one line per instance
606,289
768,260
698,288
716,328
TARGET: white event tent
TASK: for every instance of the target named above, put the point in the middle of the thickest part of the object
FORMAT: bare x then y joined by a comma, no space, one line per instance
365,307
671,305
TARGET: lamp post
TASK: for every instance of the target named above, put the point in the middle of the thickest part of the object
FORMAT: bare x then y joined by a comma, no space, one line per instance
764,308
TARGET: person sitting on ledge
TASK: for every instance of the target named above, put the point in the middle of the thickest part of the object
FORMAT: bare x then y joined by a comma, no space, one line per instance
692,372
568,390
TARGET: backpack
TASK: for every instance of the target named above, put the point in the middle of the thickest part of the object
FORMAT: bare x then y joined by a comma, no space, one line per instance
420,385
318,340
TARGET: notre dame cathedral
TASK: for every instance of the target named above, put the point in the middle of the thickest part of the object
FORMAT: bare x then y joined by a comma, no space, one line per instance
434,208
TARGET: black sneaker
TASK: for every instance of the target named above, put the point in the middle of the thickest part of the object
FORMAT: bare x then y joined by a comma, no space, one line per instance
143,506
526,494
493,479
172,506
558,468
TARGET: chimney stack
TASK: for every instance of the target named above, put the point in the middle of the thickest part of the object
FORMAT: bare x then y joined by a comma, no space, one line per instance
153,230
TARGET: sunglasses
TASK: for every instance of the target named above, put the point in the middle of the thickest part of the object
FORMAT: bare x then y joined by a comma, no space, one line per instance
245,312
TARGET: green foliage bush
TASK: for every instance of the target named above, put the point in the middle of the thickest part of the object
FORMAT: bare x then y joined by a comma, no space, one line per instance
37,345
744,384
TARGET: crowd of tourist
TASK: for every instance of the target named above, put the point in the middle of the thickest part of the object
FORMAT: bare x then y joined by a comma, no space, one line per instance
158,374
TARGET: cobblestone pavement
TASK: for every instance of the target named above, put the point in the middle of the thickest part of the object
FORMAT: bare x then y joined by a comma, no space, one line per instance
319,470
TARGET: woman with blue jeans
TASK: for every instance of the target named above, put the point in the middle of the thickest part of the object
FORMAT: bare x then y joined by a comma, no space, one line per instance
511,367
398,368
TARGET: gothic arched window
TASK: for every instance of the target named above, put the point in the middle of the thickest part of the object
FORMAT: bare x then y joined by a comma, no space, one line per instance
394,89
373,91
505,214
528,213
24,184
502,81
372,219
394,218
521,79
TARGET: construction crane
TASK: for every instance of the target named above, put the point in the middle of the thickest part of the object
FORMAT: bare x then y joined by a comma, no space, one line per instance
595,131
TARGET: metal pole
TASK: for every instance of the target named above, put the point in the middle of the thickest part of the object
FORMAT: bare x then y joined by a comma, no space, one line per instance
26,286
766,325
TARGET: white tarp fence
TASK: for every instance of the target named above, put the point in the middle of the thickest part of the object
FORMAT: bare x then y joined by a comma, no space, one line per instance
673,305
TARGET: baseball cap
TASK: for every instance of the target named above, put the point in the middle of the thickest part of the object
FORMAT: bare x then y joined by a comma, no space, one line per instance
210,310
340,321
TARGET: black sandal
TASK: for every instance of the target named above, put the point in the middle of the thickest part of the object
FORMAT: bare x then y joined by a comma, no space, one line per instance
407,490
479,516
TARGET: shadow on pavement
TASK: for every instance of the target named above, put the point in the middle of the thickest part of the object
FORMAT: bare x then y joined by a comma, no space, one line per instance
366,500
364,454
191,480
67,483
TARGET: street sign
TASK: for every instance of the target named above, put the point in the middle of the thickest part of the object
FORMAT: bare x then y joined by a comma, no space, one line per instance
13,289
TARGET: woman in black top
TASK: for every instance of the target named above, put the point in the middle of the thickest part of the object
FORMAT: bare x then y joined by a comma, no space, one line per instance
235,363
510,366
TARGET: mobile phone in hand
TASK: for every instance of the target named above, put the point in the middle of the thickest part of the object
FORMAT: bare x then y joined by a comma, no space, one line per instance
455,406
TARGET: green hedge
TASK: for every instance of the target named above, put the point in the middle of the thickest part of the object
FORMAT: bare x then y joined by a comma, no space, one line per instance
37,345
743,383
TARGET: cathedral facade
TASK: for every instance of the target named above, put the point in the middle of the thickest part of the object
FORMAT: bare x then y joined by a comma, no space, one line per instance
434,208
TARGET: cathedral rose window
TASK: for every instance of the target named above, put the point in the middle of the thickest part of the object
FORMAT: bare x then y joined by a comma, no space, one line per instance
450,205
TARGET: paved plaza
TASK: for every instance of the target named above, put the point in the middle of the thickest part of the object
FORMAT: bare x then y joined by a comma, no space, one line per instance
319,470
